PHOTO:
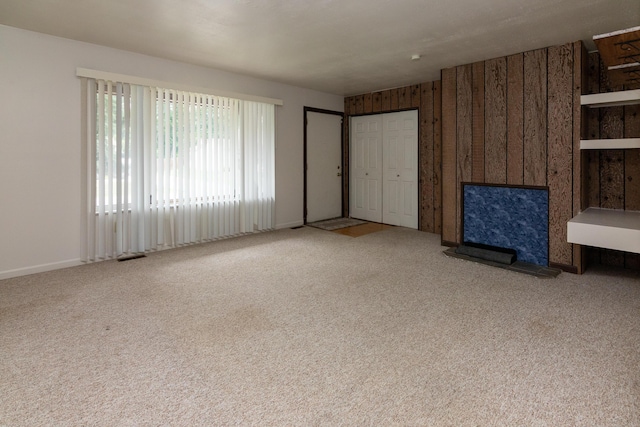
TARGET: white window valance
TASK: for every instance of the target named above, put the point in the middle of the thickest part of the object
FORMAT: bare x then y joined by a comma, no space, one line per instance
141,81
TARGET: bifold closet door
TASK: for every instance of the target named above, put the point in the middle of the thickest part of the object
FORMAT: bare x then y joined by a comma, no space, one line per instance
365,186
384,168
400,169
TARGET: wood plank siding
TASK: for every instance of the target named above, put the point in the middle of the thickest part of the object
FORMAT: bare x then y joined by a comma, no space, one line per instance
517,120
521,113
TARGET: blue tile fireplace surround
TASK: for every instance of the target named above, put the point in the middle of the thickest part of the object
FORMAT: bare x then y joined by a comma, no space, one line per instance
512,217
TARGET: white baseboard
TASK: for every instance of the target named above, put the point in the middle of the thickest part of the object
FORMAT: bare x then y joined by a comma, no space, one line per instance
290,225
8,274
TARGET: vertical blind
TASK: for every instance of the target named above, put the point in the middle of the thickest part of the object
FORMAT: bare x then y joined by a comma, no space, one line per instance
167,168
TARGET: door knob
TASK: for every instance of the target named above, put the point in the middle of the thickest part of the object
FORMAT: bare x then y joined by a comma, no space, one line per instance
338,174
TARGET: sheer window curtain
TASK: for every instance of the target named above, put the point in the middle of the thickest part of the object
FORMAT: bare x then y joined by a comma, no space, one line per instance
166,168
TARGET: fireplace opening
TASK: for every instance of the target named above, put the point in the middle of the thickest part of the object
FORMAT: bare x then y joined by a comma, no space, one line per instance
512,218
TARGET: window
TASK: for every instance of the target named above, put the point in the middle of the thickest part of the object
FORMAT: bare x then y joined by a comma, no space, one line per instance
169,168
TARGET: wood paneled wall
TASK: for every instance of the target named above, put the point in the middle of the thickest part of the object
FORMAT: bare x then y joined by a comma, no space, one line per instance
516,120
612,177
425,97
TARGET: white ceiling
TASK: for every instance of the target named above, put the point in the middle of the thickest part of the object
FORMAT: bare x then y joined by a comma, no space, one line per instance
344,47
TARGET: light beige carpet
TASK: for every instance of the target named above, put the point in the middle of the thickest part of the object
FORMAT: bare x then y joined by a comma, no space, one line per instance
304,327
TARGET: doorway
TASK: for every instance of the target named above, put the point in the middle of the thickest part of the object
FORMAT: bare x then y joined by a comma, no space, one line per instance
384,168
323,178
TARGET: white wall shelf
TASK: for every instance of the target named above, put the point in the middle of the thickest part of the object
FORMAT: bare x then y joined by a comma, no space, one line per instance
599,227
606,228
609,144
611,99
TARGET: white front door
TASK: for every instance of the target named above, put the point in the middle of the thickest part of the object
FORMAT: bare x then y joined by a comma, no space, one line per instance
365,198
400,169
384,168
324,166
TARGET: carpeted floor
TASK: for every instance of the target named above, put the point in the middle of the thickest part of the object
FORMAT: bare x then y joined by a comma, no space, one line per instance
304,327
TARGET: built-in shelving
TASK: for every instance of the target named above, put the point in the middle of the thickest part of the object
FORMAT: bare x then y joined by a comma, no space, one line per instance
606,228
620,52
615,229
611,99
609,144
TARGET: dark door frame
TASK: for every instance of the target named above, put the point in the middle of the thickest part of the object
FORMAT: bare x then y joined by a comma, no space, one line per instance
342,166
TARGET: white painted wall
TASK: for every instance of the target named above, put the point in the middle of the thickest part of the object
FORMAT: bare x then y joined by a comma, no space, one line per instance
40,140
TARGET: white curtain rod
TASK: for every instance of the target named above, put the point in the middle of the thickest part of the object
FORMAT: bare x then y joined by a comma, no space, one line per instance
103,75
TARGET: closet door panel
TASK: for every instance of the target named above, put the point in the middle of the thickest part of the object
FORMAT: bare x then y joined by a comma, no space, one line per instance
384,168
366,168
400,164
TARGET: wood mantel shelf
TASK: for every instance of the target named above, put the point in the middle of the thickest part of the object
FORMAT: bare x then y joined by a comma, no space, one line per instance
620,52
